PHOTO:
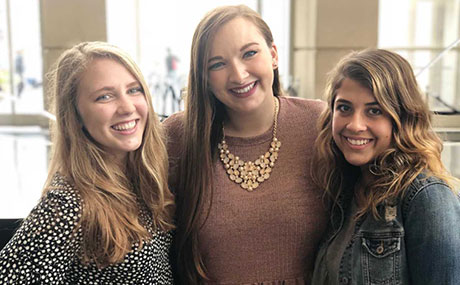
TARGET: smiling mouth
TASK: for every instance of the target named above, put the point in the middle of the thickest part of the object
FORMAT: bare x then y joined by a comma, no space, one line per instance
245,89
125,126
358,142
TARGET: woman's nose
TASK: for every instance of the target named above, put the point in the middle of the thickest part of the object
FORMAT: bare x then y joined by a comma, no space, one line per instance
126,105
357,123
239,72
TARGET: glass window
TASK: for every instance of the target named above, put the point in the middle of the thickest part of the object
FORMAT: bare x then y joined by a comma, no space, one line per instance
5,81
23,150
422,31
427,34
158,34
23,168
277,14
20,58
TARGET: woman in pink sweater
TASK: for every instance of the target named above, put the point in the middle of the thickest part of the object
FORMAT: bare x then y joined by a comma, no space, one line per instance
240,161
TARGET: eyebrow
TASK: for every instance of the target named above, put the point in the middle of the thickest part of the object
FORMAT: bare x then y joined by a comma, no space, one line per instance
105,88
241,49
348,102
109,88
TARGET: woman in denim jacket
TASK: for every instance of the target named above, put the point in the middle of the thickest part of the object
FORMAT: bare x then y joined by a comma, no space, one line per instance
394,212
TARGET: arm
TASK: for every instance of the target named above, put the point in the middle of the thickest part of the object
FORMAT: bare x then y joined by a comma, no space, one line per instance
433,236
45,244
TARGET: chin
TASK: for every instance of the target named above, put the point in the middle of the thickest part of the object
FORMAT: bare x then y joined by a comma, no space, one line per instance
134,149
127,150
357,162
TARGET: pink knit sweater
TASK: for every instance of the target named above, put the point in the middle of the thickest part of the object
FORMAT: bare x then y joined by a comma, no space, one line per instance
270,235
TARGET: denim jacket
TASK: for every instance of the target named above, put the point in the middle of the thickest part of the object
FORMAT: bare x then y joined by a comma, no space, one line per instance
417,241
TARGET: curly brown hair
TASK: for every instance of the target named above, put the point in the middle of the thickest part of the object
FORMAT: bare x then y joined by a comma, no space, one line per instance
415,146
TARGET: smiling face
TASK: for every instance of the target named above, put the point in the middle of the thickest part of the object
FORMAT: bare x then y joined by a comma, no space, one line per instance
241,67
112,105
360,128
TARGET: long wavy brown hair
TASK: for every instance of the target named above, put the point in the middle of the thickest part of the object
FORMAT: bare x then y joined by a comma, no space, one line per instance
415,146
110,209
202,132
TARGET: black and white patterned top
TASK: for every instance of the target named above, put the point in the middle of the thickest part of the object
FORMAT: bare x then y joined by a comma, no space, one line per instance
44,249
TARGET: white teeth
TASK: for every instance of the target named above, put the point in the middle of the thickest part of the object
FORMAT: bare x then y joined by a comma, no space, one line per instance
125,126
245,89
358,142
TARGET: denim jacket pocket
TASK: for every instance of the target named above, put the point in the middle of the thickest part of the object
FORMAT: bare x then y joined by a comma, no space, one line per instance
381,258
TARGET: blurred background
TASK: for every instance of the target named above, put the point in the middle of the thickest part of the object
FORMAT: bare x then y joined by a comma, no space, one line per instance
311,35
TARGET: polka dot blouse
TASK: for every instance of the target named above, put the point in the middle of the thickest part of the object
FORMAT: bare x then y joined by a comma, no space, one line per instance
44,249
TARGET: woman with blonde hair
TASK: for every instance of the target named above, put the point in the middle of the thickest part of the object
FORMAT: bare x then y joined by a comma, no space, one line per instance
105,215
395,213
247,210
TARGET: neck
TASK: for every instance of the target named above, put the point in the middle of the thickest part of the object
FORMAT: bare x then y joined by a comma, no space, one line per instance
253,123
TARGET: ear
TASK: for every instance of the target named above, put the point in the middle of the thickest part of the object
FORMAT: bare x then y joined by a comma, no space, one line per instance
274,53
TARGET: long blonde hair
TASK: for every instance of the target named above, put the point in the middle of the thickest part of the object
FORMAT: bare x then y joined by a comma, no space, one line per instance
415,146
110,211
203,130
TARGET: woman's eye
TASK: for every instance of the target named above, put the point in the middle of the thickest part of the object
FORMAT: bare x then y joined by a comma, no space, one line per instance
375,111
135,90
343,108
216,65
250,53
104,97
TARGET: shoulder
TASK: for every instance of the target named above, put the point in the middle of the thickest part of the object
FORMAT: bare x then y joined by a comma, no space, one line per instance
432,240
303,114
174,123
61,203
429,192
59,209
62,192
174,130
297,129
427,186
49,237
315,105
301,107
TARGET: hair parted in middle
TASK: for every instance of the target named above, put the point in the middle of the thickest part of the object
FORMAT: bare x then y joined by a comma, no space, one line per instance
415,146
204,115
110,212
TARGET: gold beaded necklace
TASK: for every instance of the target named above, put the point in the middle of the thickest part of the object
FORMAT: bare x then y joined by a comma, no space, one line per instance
249,175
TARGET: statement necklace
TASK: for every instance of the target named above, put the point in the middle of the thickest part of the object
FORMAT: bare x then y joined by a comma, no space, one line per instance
249,175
